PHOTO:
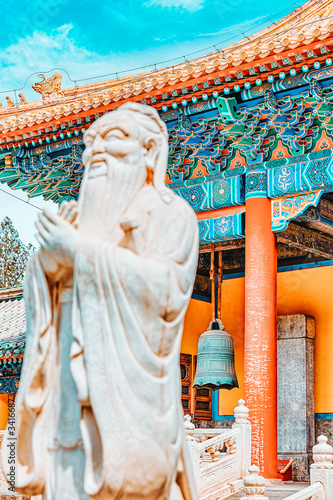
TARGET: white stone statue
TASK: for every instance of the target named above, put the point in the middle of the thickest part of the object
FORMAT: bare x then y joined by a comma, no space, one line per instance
98,411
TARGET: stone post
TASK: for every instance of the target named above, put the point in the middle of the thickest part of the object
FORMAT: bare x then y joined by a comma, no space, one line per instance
192,444
322,469
243,424
254,485
295,361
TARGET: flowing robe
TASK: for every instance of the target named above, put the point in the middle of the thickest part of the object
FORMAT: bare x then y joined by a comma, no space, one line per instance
130,293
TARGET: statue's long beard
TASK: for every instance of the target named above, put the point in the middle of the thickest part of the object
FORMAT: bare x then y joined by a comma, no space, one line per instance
104,198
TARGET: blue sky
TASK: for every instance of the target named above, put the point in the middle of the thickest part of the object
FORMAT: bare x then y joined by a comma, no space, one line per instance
89,38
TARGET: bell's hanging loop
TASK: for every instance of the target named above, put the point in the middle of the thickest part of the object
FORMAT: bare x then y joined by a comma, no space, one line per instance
215,358
214,323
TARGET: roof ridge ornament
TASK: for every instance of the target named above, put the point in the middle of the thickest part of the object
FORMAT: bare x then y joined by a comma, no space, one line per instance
50,88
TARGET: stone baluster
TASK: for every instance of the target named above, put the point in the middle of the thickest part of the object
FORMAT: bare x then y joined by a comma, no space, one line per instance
322,467
189,428
231,445
241,413
254,485
192,443
214,452
244,446
322,454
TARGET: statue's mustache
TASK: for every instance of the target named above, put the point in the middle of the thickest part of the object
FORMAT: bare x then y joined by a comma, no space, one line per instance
97,158
99,164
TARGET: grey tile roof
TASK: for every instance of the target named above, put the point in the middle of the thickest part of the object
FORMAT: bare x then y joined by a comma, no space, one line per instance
12,323
12,319
11,293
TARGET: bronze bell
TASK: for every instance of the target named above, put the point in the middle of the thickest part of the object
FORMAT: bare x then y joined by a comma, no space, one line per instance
215,359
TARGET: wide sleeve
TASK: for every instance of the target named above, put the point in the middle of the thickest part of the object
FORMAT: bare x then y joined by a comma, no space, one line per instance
32,412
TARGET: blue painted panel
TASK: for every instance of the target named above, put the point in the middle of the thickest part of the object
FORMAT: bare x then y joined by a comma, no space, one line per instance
300,177
256,184
213,194
221,228
215,408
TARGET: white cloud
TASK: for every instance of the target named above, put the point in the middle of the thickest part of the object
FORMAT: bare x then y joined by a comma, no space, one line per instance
239,28
164,39
41,52
190,5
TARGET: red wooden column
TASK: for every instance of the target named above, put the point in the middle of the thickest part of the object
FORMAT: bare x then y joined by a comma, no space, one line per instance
260,350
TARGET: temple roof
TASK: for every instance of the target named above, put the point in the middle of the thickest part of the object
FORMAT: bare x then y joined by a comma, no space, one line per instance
12,338
299,32
12,319
11,293
12,323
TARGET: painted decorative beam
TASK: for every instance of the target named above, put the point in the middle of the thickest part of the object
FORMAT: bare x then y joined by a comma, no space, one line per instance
298,177
326,210
319,218
286,251
223,245
290,139
221,228
211,193
307,240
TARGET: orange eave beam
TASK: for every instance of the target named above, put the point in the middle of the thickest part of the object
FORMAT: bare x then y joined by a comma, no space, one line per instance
221,212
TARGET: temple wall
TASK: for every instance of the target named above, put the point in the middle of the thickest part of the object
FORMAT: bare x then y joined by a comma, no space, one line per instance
3,411
306,291
309,291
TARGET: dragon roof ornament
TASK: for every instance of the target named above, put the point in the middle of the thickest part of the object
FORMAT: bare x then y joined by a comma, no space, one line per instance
50,88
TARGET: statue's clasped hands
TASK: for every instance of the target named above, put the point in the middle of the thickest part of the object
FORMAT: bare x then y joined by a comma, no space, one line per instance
57,233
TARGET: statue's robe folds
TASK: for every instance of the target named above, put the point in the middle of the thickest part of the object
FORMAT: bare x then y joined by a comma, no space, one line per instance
130,293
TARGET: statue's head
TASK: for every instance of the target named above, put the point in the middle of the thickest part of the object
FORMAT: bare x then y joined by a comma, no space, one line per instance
124,150
132,137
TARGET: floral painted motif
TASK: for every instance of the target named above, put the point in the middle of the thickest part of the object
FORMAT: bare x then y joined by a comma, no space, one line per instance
289,207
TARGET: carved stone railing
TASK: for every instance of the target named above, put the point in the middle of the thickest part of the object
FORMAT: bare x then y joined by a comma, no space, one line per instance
314,492
321,474
221,457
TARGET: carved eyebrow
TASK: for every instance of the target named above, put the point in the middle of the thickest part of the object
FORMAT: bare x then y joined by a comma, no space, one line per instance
105,130
90,133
